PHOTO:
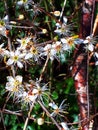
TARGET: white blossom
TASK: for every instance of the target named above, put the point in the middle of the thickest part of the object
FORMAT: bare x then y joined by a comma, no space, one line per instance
40,90
16,58
52,50
27,97
23,42
57,46
90,40
33,52
58,111
63,29
14,84
67,44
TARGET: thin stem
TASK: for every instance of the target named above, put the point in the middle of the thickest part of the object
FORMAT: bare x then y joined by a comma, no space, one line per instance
25,27
7,98
14,113
44,67
27,119
44,43
61,14
91,31
59,128
48,23
51,75
11,112
3,121
87,88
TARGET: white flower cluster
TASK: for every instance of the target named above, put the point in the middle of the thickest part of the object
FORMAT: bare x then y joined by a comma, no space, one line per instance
64,32
25,92
36,91
27,50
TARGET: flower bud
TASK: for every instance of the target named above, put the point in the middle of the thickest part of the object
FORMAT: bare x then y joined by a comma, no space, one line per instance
44,31
21,17
56,13
40,121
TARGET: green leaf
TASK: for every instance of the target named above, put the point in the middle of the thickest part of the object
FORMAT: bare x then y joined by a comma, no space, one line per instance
55,95
69,83
75,118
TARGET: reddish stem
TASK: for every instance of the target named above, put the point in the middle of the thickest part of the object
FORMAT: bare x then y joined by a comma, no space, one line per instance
80,73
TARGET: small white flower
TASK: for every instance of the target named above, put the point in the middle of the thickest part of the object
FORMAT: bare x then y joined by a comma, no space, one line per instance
15,81
47,48
14,85
52,50
16,58
63,29
27,97
87,40
89,43
23,42
57,46
65,44
39,90
34,53
90,40
58,111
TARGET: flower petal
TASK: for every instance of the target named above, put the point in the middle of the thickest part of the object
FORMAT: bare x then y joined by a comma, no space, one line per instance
10,62
28,56
19,64
10,79
19,78
53,105
64,125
